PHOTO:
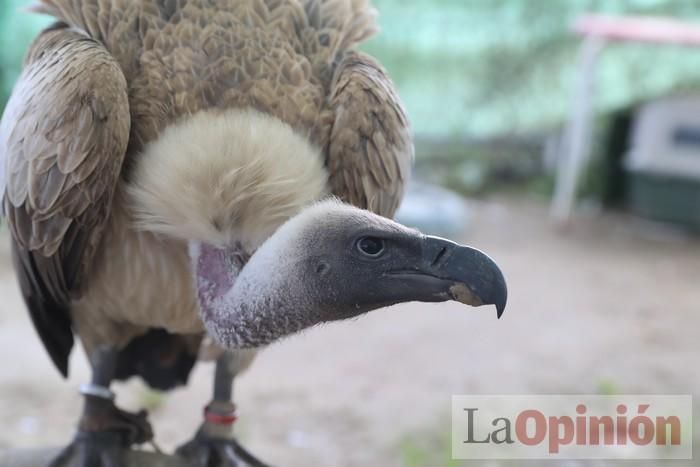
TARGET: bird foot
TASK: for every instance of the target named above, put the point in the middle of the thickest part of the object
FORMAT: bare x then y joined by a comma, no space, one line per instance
93,449
206,451
105,435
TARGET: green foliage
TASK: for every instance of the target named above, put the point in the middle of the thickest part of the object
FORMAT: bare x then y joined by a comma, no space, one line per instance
488,67
17,28
428,449
151,399
607,387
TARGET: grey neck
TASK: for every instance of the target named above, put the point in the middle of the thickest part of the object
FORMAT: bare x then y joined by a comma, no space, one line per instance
250,302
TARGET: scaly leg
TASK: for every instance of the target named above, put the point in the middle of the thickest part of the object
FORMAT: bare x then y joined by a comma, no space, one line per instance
104,431
214,445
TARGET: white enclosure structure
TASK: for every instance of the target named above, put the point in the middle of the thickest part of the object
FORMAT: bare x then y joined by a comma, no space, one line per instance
596,32
666,138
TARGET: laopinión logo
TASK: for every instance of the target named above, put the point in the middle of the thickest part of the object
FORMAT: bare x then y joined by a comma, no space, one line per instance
572,427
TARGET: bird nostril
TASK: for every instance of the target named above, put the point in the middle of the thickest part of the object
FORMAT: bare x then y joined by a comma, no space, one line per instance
439,256
321,268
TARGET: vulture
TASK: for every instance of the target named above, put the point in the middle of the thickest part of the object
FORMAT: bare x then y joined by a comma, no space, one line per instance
218,173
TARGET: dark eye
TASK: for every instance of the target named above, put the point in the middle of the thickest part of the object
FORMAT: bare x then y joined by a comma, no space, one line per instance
371,246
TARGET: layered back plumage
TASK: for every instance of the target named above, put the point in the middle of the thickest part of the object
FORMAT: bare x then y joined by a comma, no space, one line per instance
114,75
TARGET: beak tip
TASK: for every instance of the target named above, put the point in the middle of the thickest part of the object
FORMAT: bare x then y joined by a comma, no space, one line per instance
500,309
502,299
502,296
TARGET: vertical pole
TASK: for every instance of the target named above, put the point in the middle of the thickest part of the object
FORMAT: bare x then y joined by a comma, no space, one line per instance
576,148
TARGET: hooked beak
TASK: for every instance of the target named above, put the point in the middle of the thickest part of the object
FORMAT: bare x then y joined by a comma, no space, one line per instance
449,271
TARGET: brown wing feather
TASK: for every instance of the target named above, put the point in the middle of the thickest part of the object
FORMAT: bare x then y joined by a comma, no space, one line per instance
63,139
336,26
370,151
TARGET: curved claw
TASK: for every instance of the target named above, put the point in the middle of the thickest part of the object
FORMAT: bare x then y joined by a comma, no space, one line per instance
104,436
93,449
204,451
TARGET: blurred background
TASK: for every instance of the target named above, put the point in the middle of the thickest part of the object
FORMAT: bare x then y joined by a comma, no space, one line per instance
604,285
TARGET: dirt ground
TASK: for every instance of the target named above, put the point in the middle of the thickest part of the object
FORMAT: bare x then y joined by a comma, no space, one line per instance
613,305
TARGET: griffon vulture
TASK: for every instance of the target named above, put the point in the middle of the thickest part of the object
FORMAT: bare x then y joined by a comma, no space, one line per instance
177,167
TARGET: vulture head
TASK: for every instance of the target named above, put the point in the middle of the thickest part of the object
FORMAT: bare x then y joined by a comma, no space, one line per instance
330,262
241,189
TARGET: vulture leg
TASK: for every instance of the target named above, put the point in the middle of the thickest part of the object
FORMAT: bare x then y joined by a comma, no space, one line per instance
214,445
104,431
